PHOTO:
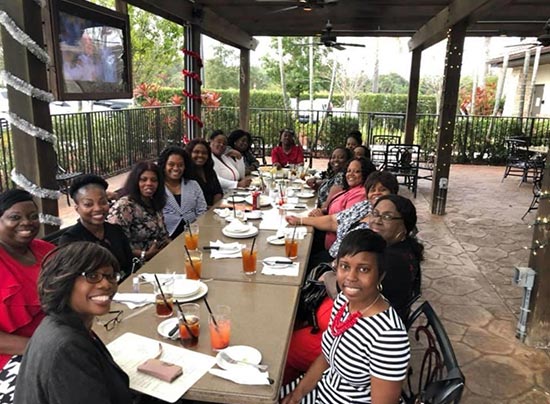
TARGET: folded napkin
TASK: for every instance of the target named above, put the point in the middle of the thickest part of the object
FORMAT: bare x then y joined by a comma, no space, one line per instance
150,278
134,300
288,270
222,212
243,375
227,250
300,234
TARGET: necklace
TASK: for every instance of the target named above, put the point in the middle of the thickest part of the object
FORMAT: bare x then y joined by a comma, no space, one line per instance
339,327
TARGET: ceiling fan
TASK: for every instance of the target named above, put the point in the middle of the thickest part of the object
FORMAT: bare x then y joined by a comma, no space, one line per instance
306,5
542,40
328,39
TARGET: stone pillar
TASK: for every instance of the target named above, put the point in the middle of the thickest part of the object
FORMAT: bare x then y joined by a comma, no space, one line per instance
244,89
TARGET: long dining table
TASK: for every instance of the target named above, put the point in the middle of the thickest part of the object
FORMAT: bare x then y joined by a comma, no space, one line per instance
263,308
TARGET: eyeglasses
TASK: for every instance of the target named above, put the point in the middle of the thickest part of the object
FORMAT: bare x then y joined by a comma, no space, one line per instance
96,277
109,325
386,217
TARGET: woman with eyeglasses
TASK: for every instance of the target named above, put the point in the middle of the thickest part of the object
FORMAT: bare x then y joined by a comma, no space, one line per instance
394,218
20,257
230,171
89,194
139,213
287,152
65,361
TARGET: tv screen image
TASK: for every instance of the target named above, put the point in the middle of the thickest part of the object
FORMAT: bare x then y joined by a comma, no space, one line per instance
91,51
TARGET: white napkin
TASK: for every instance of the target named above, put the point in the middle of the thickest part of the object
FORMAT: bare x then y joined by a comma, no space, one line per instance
301,232
242,375
222,212
134,300
289,270
227,250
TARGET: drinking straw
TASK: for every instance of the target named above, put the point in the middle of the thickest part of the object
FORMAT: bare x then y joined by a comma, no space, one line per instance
161,292
210,311
252,248
188,224
190,261
293,234
193,336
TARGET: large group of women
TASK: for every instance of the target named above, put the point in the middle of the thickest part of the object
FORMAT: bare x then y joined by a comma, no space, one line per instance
50,295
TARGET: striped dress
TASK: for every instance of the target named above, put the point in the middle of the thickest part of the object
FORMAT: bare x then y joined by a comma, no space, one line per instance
375,346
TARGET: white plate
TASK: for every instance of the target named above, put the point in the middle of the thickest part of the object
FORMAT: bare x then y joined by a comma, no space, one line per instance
185,287
203,290
264,200
255,215
238,199
240,353
252,231
166,326
305,195
236,227
277,266
275,240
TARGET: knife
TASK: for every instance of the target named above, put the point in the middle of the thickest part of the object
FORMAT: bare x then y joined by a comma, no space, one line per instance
278,262
217,247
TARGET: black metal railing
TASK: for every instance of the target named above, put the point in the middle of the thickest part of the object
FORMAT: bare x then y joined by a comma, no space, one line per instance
109,142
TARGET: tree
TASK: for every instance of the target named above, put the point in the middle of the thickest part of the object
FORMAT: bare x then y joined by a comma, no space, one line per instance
392,83
350,86
222,71
296,66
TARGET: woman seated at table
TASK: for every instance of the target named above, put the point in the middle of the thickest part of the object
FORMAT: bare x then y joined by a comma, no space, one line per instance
362,151
394,218
65,361
20,257
365,350
354,139
377,184
89,194
333,176
287,152
230,171
202,170
139,213
241,141
184,198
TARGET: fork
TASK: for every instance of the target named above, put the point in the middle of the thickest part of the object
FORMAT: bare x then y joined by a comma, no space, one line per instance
225,356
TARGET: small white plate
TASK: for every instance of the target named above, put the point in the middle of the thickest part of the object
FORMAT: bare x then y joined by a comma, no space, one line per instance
166,326
238,199
203,290
275,240
239,353
185,287
270,261
254,215
252,231
305,195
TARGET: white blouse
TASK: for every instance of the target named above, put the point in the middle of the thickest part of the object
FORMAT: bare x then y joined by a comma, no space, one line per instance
229,171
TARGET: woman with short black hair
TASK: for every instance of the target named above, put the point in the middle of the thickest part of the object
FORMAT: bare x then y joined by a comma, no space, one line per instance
65,361
241,141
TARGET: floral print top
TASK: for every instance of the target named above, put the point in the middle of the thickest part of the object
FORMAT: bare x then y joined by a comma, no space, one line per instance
337,179
141,225
349,220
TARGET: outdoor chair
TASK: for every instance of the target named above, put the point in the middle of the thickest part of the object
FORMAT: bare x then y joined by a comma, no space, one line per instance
258,149
64,180
378,151
520,162
434,376
402,160
537,182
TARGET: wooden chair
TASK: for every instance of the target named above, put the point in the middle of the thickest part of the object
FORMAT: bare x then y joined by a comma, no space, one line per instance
402,160
437,379
258,149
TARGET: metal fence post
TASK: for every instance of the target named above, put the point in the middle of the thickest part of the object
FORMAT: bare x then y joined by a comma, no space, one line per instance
89,137
158,129
129,138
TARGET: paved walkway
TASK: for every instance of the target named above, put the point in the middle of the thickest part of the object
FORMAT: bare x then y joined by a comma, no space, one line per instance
470,255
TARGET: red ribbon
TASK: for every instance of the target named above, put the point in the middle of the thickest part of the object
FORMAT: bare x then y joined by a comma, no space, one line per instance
193,118
191,95
193,75
194,55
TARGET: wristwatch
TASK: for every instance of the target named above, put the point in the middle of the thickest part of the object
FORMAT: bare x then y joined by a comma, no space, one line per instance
142,256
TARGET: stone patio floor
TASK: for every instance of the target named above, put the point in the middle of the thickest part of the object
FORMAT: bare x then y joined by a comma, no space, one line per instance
469,259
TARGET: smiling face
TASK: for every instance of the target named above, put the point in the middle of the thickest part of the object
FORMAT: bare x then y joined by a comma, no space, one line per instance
19,224
358,277
92,205
338,159
175,167
148,184
354,176
351,143
387,221
218,145
199,155
376,191
241,144
92,299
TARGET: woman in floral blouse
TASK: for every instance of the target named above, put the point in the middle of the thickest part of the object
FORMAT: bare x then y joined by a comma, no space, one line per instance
139,213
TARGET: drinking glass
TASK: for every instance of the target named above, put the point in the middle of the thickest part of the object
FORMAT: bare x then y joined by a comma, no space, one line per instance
164,308
291,244
220,331
193,264
192,318
192,236
249,261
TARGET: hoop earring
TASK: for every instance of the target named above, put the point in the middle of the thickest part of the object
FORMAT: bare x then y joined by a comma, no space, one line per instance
380,287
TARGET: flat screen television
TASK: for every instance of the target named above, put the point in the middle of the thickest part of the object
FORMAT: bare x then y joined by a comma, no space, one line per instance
90,46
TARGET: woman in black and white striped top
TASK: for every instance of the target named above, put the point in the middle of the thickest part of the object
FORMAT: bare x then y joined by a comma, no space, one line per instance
366,348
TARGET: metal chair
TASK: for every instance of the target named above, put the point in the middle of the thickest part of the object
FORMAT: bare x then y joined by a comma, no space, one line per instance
378,149
258,149
64,179
520,162
402,160
537,183
438,379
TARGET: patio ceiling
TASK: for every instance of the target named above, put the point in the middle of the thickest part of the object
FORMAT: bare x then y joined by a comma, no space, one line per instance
427,21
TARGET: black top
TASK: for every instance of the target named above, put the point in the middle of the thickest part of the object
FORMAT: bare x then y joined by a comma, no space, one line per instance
114,240
66,363
210,187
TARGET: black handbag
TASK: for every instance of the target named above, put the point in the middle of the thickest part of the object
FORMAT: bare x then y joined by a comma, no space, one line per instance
312,295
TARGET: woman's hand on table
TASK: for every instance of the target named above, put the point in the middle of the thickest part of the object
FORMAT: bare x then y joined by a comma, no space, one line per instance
312,183
316,212
152,250
244,183
294,220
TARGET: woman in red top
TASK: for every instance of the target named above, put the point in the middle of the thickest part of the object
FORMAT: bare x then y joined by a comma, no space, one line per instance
20,257
288,152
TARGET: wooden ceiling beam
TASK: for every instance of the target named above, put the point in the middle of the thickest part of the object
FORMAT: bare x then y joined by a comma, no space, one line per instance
436,29
211,24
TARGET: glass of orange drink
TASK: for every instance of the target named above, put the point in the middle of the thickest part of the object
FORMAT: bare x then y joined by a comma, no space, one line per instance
220,329
192,236
193,264
249,261
190,327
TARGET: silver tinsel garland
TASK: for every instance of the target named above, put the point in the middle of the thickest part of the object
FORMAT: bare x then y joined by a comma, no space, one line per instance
33,189
20,36
49,219
26,88
31,129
